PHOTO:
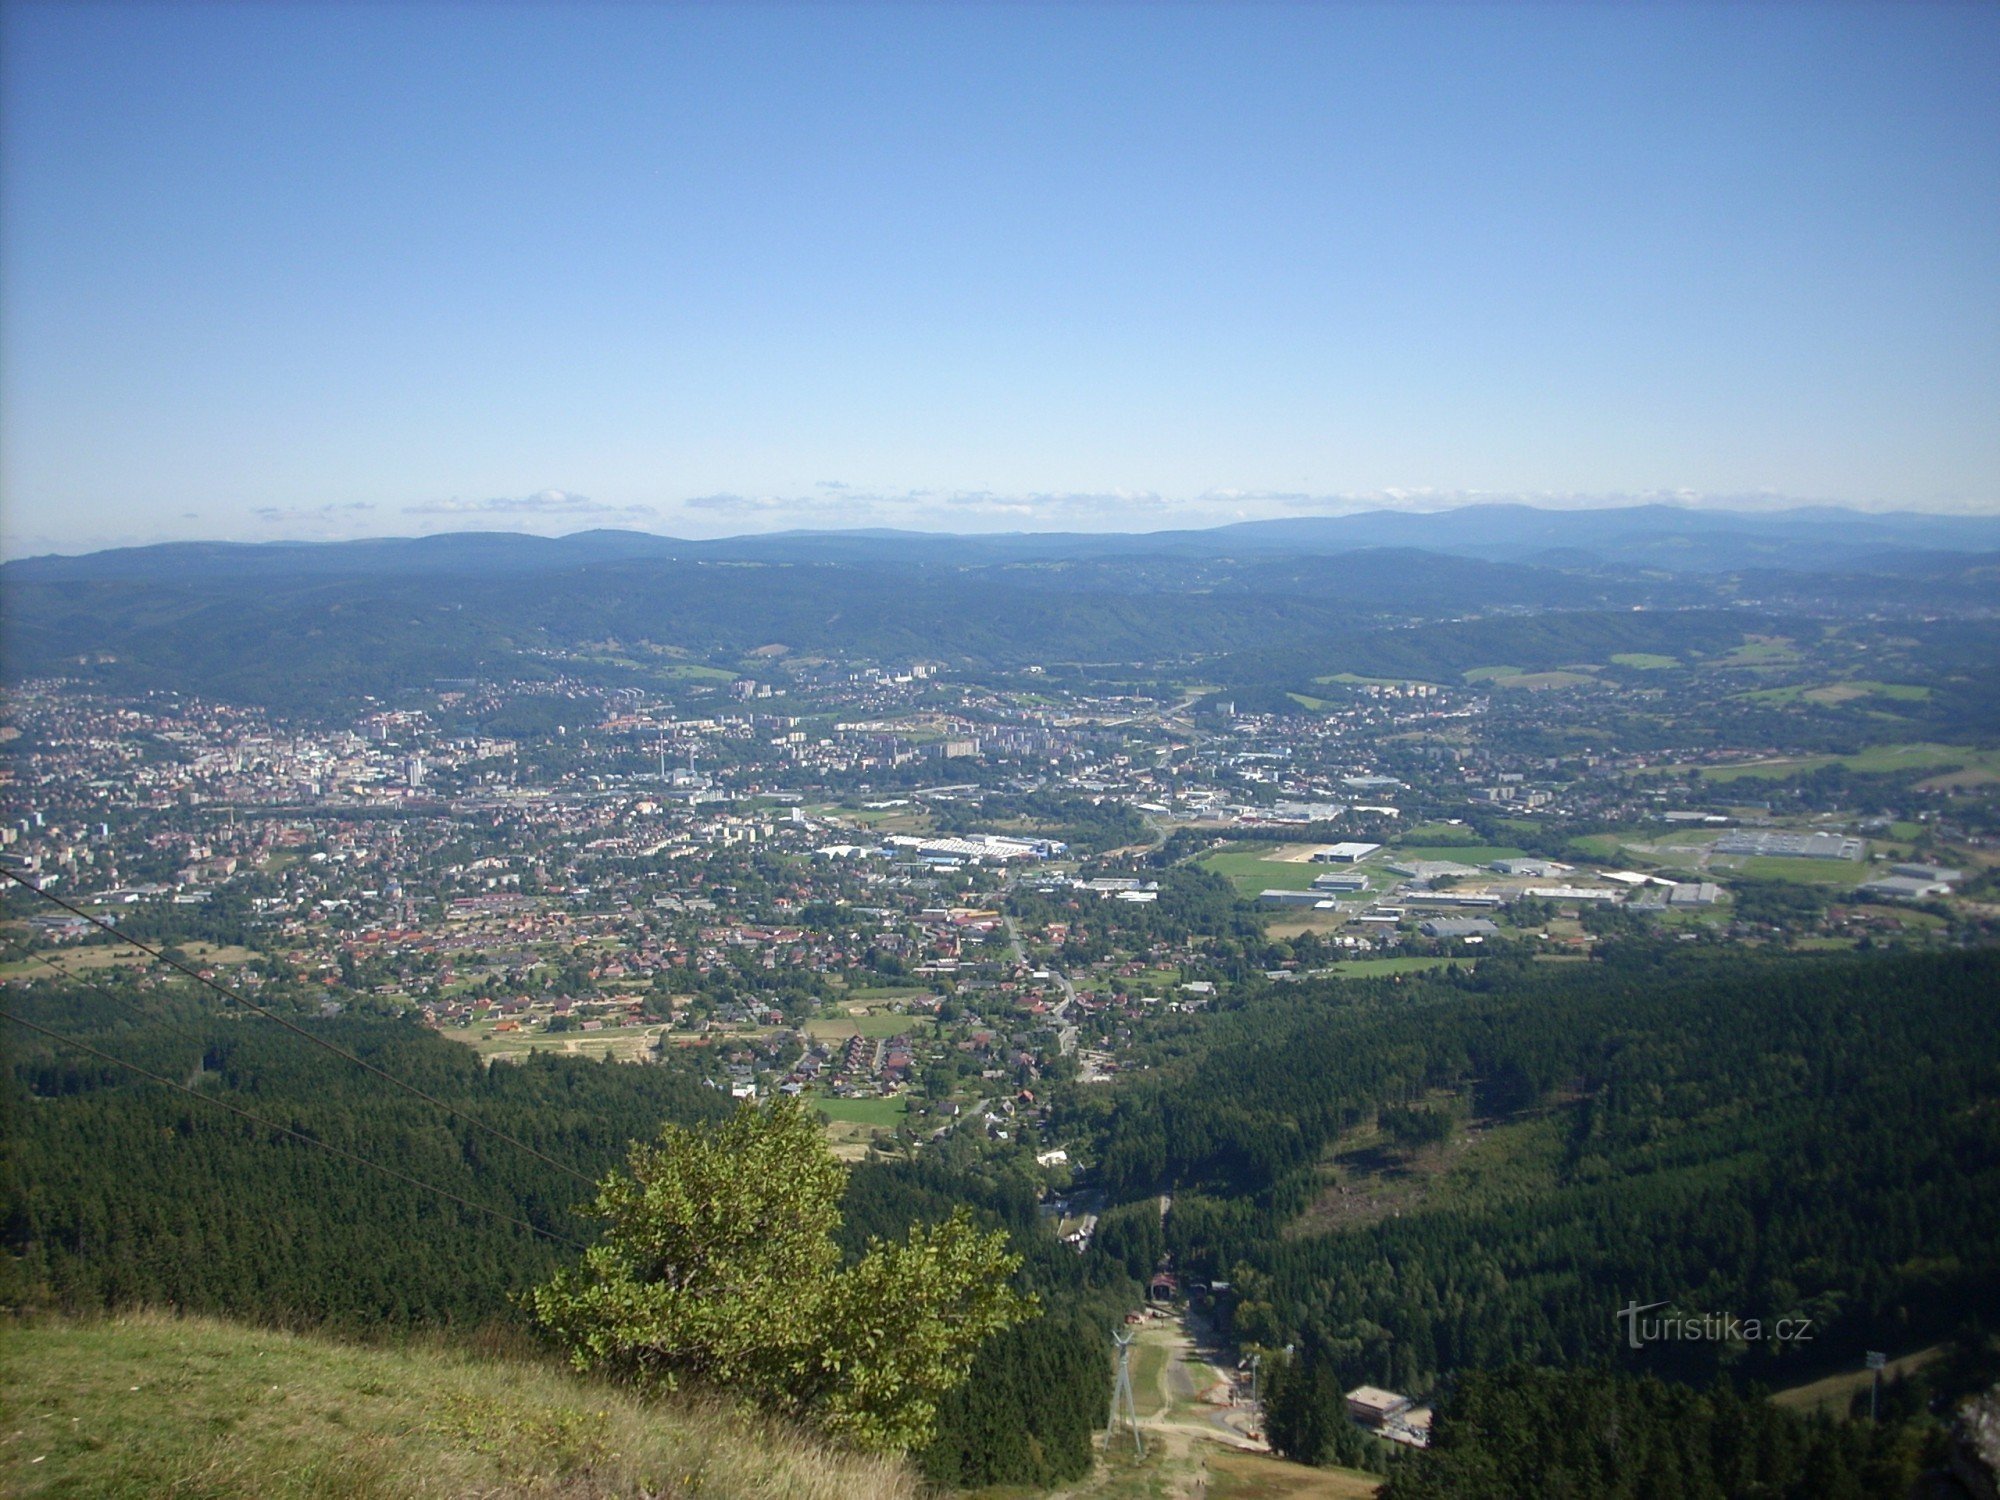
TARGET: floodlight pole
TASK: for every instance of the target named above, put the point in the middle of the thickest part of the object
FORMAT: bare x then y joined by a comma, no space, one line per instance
1123,1395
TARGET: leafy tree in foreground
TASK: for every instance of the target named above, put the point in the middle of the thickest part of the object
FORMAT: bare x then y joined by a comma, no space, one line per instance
719,1268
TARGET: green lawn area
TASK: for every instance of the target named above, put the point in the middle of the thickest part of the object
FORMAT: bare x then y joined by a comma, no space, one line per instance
1148,1363
1237,1475
885,992
619,1043
1831,1394
1440,833
1374,968
1789,694
1899,692
1761,653
1829,694
1351,680
875,1024
1767,770
687,671
1841,872
77,961
1876,759
1516,677
1152,980
1533,680
74,961
1645,661
885,1113
1251,871
911,819
1922,755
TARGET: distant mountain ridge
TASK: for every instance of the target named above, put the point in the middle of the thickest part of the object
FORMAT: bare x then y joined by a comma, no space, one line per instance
1665,538
306,625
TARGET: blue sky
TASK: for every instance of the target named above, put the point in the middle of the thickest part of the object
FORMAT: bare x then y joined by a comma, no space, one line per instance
375,269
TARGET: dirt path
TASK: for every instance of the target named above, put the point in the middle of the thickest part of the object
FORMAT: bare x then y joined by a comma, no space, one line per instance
1197,1448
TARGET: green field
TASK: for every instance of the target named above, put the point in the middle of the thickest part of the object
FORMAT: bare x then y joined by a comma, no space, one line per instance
1774,651
1149,1364
1375,968
1875,760
1251,871
1922,755
876,1024
1899,692
1645,661
1838,872
687,671
885,992
1234,1474
1349,679
1830,694
619,1043
1832,1394
1516,677
886,1114
111,955
1536,680
885,820
1440,833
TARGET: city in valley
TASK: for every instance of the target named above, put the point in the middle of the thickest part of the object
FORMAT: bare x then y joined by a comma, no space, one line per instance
914,895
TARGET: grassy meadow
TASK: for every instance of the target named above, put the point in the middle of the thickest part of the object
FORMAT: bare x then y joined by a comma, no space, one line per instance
146,1405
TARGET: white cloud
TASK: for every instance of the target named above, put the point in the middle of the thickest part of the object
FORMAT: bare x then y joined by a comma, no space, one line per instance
738,505
836,504
314,515
562,503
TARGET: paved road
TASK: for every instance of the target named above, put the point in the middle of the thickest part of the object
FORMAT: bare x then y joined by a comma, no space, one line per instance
1065,1025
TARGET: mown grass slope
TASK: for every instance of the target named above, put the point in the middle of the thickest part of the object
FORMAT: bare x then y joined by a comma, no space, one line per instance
152,1405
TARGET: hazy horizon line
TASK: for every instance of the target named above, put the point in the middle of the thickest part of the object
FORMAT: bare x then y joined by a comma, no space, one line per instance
490,518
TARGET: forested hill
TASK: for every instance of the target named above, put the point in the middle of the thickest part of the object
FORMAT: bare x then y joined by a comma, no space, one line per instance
126,1192
1813,1137
295,626
117,1192
1673,538
289,640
